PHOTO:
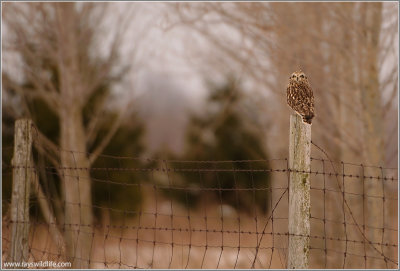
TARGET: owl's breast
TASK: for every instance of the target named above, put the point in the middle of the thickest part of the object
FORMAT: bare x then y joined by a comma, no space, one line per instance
291,94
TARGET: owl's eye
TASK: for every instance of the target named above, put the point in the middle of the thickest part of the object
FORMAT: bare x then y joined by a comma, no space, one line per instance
302,76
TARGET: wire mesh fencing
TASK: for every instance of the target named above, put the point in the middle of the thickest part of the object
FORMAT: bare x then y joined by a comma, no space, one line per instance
150,213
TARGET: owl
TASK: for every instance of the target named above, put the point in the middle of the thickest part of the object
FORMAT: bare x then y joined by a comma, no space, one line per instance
300,96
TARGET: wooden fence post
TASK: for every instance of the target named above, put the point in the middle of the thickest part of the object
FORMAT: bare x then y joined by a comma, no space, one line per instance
22,175
299,192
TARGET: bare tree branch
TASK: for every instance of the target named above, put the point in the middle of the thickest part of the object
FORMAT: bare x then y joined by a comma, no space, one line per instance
49,216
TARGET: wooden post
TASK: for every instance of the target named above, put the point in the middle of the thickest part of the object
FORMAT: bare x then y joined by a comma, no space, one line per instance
299,192
22,175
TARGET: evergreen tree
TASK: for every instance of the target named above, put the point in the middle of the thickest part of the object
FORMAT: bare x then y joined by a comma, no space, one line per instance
126,142
224,132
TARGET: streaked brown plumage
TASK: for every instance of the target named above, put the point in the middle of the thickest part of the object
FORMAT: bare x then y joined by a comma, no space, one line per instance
300,96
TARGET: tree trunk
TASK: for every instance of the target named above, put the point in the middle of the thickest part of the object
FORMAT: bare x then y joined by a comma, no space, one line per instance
76,188
371,92
350,132
371,14
76,178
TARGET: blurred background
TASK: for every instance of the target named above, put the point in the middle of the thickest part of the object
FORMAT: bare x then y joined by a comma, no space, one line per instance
192,82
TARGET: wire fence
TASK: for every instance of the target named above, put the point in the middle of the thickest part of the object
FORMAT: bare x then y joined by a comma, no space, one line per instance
151,213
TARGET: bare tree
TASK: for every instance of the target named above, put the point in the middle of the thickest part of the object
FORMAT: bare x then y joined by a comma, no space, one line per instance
268,41
339,45
57,47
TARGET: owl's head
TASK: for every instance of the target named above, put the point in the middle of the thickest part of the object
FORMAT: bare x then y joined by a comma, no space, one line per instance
298,77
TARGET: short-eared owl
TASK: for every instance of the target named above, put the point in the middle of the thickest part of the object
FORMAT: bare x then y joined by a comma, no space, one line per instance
300,96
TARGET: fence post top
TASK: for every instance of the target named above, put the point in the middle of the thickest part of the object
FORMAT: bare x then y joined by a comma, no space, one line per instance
23,120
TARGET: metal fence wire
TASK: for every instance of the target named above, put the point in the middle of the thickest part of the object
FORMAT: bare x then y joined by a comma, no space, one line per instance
151,213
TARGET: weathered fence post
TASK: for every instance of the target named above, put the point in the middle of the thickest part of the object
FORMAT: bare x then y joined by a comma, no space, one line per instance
299,192
22,174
